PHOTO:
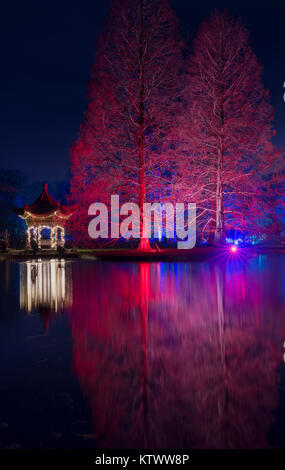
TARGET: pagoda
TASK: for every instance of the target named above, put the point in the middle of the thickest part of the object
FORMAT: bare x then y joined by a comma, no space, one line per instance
45,220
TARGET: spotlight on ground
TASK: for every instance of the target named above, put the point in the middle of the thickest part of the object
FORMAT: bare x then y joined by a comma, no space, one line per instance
233,248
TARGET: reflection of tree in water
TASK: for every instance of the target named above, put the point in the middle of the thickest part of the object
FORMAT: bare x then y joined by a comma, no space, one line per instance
167,359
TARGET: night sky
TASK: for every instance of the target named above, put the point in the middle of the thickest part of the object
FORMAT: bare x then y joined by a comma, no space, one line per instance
47,52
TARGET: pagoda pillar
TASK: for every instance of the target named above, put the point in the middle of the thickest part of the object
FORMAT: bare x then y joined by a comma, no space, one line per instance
39,236
52,237
62,237
56,237
28,241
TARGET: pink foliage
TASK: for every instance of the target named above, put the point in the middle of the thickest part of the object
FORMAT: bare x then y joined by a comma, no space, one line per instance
230,165
123,145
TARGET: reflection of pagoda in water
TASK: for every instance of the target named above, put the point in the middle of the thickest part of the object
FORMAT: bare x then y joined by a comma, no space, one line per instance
45,286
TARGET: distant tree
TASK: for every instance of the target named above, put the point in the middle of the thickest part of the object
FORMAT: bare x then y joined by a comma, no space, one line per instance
230,165
123,144
12,183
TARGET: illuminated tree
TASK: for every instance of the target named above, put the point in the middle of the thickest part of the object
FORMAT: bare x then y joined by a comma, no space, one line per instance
133,101
226,130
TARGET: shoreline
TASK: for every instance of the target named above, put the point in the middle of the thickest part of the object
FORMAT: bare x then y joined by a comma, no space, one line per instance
168,254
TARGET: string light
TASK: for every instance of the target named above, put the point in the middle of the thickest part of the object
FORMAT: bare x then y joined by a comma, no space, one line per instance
37,234
46,213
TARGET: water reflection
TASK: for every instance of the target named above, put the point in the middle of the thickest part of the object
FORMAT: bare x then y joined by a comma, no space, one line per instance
45,286
178,355
170,355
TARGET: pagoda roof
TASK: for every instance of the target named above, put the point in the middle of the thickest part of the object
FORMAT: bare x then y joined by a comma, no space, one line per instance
46,205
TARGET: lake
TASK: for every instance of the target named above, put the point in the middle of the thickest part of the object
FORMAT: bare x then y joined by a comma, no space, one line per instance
97,354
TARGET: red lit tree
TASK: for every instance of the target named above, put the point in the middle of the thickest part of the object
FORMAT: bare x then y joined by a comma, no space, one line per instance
87,186
133,98
227,130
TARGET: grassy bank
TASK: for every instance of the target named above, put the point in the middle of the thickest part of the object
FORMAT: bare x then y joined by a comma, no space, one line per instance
115,254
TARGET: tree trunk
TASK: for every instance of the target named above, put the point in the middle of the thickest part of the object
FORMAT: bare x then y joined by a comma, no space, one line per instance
144,244
219,232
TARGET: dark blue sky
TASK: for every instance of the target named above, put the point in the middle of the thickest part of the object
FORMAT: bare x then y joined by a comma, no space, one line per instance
47,49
